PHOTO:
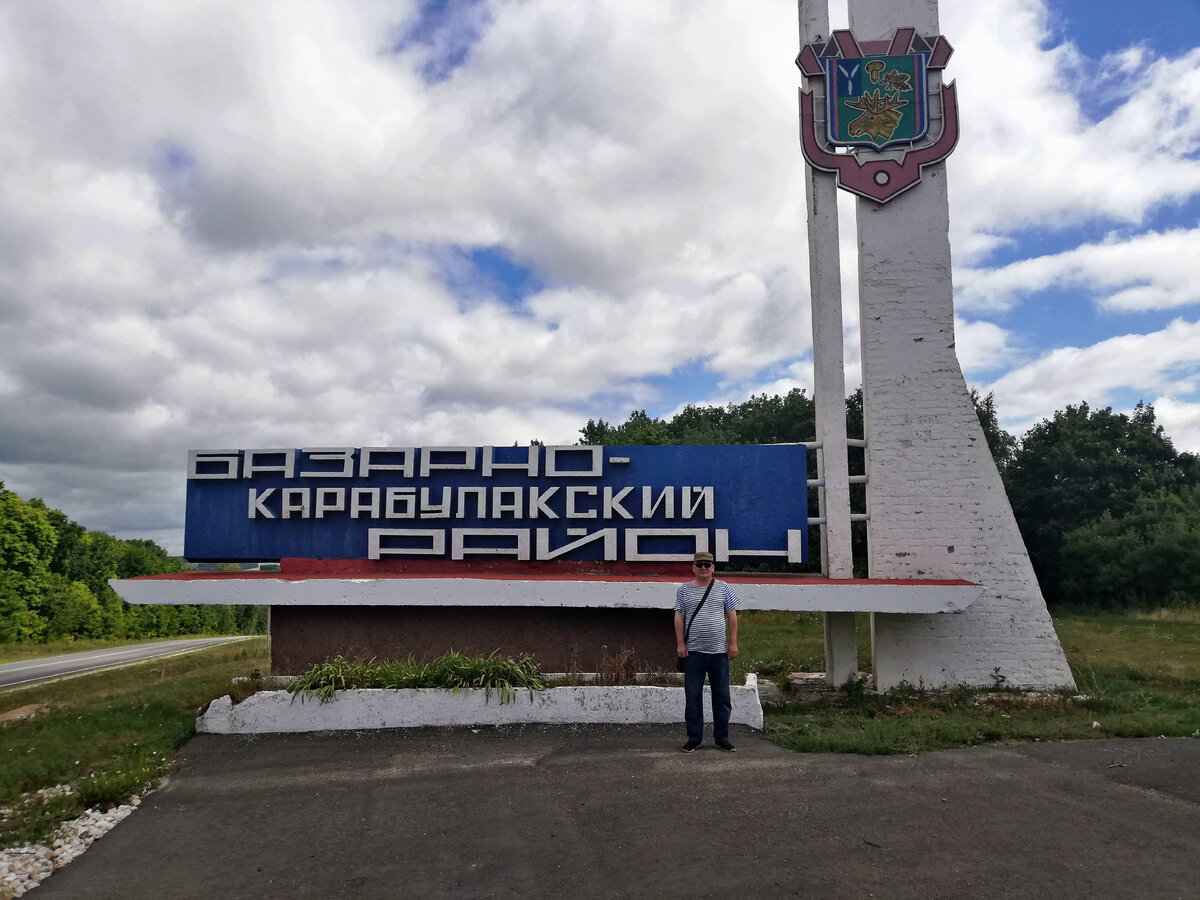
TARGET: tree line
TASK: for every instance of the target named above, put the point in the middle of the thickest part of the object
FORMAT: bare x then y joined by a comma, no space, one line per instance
54,583
1108,508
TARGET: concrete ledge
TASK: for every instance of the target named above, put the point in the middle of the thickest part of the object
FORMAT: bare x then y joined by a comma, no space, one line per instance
270,712
807,593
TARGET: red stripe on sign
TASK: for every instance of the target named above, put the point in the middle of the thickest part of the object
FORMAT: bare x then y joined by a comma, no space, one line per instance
515,570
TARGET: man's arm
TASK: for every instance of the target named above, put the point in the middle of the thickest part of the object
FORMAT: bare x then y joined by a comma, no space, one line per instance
680,646
731,629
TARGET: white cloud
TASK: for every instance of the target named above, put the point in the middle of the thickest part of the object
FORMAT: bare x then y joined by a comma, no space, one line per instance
1180,421
1028,156
1148,271
1166,362
242,224
981,346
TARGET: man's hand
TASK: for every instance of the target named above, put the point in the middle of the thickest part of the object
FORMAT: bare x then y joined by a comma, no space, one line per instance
733,650
681,649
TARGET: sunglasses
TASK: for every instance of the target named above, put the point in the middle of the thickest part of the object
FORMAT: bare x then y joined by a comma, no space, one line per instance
703,565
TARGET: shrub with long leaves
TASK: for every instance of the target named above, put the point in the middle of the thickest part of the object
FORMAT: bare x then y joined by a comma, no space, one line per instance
492,672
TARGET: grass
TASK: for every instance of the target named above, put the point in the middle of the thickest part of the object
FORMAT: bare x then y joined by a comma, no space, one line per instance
493,672
774,643
1138,675
105,736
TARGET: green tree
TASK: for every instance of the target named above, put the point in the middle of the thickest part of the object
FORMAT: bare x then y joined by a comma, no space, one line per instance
1070,470
640,430
1002,444
27,540
70,609
17,621
762,419
141,557
70,554
1146,556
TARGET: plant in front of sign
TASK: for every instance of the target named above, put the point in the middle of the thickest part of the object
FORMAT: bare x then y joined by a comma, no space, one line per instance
455,671
619,669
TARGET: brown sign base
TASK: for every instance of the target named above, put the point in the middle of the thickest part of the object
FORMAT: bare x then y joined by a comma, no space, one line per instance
562,640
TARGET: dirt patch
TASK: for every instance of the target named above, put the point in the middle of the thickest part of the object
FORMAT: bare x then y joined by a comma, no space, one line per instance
24,712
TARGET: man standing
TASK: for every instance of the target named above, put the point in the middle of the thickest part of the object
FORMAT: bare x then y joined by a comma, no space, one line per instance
706,639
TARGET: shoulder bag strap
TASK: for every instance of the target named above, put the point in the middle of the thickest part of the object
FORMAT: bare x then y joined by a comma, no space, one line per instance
688,629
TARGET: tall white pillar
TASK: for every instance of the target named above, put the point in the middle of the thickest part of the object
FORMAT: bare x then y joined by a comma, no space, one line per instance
829,382
937,506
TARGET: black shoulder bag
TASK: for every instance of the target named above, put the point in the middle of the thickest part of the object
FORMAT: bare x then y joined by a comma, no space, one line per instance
679,660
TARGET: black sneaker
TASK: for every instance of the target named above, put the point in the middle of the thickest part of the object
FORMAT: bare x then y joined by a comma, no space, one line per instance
689,746
726,746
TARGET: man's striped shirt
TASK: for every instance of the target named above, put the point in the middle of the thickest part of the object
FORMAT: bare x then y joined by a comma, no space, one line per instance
707,634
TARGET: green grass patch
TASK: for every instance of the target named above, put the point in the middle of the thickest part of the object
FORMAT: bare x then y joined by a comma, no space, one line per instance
1138,675
774,644
106,736
491,673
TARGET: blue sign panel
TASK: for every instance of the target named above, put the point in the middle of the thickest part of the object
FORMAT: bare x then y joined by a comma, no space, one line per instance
744,503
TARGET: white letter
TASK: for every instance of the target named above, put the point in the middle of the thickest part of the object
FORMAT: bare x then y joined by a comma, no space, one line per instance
376,550
344,455
208,458
431,511
666,500
507,500
705,496
336,501
480,502
250,467
256,503
608,535
699,538
530,466
458,546
364,500
722,552
427,463
572,493
612,503
401,503
366,465
537,503
595,464
295,500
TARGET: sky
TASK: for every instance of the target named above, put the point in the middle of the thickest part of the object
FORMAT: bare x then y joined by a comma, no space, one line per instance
321,223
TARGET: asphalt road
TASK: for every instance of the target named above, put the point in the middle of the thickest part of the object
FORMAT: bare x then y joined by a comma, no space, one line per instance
618,811
31,670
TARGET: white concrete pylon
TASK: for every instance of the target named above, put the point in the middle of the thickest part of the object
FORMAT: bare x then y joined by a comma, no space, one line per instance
938,508
829,382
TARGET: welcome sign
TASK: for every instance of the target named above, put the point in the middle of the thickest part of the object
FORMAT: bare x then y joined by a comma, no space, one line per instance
634,504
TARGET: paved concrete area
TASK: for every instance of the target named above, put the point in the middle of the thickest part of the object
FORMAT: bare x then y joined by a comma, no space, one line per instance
618,811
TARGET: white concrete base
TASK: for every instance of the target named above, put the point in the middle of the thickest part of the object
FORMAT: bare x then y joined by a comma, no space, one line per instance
273,712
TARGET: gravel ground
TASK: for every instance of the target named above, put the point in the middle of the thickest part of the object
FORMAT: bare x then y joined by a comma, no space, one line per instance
24,868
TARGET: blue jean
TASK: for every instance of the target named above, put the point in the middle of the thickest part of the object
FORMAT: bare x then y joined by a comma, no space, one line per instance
716,667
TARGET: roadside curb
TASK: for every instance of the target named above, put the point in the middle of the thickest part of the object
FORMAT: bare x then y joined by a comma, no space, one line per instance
274,712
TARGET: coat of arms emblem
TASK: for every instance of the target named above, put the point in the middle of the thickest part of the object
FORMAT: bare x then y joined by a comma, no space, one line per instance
876,98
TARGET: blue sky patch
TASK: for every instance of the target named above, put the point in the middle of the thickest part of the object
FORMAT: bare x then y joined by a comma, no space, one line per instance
1097,27
444,32
475,273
